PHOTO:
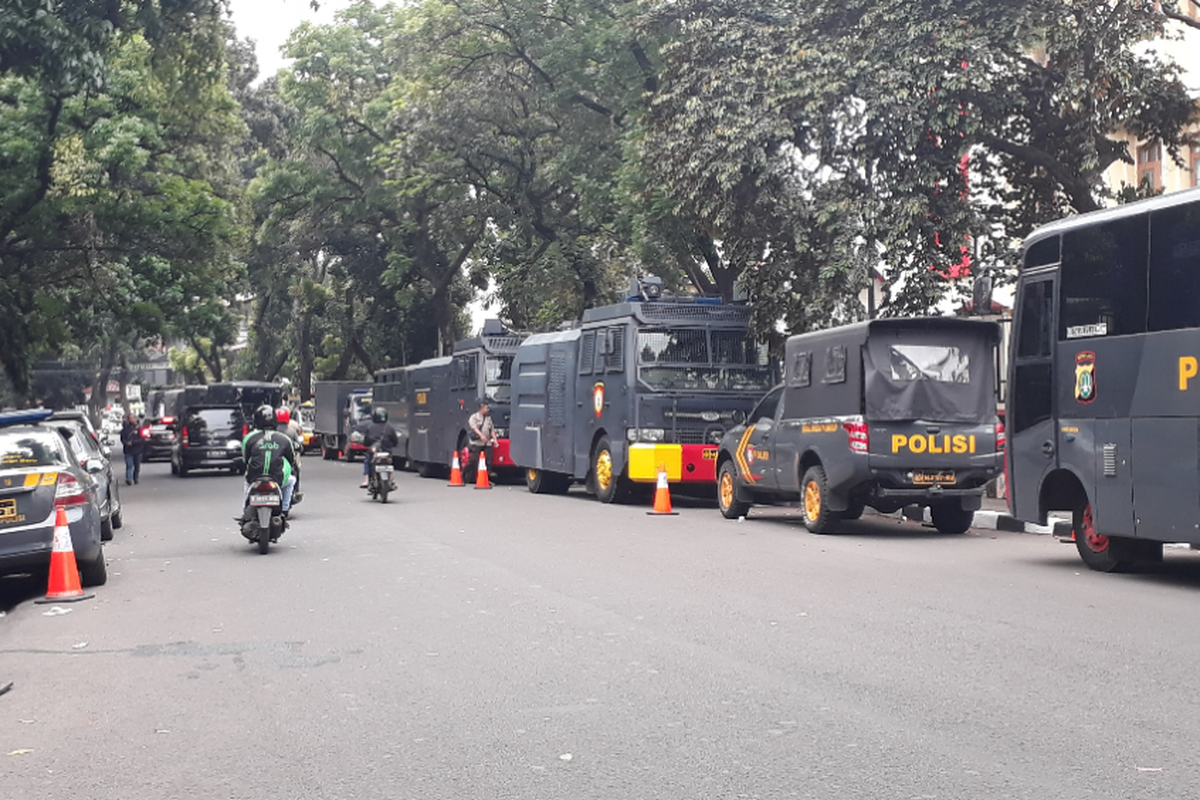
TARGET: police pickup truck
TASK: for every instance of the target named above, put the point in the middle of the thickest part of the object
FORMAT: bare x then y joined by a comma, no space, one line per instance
886,413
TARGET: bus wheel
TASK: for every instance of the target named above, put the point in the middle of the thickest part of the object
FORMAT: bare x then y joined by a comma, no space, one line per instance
952,518
727,502
1101,553
814,501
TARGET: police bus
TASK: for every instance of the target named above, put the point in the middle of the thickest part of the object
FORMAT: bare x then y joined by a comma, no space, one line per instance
1104,379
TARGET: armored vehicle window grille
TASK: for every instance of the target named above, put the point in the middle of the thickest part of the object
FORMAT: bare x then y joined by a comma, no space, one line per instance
686,346
557,390
463,373
615,357
687,436
502,344
587,353
800,370
656,312
835,364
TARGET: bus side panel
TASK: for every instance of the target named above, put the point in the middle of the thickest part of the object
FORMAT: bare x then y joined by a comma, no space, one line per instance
1166,453
1112,488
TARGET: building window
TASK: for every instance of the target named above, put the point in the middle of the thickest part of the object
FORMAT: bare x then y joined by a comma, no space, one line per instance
1196,163
1149,165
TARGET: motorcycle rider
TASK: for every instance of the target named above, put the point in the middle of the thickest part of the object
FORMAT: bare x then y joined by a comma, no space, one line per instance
291,429
267,451
376,433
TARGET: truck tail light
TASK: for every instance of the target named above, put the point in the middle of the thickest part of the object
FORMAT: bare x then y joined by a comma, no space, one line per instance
860,438
183,437
68,491
1001,438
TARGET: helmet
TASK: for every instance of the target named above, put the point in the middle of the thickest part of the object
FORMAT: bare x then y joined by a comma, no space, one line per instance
379,414
283,416
264,418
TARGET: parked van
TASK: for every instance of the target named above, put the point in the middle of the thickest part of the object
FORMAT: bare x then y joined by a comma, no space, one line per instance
886,413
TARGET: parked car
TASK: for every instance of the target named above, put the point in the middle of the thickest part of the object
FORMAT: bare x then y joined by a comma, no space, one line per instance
87,446
40,473
160,438
208,437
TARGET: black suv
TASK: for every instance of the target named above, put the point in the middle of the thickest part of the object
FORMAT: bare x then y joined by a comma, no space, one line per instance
162,439
208,437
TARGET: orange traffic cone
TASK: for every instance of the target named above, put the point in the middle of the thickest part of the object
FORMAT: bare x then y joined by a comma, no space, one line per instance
662,496
455,472
64,573
481,476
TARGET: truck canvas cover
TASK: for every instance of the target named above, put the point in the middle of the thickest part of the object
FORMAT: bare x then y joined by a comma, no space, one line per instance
930,372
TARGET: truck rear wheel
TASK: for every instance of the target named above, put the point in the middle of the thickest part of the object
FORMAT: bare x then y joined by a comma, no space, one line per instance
539,481
731,507
814,501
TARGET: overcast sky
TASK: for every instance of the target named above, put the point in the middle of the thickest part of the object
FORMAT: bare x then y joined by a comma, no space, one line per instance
270,22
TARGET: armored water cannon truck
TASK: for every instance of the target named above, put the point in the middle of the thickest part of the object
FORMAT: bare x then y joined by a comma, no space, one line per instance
445,392
338,408
650,383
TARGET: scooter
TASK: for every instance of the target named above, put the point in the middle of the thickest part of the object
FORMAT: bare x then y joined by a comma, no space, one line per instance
380,481
262,520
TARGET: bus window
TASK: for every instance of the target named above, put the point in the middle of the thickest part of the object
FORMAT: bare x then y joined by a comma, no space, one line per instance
1042,254
1037,313
1175,268
1103,289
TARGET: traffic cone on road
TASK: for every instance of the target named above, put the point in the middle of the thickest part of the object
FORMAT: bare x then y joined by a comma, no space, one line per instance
481,476
455,472
63,586
662,496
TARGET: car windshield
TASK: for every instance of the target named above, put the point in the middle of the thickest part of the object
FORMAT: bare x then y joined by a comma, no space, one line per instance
498,378
23,449
362,410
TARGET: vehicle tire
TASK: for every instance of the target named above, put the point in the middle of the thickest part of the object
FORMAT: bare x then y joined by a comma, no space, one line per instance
106,530
854,510
814,501
384,488
952,518
182,472
560,483
537,481
326,454
264,540
174,469
1106,553
427,469
117,519
727,502
94,573
610,488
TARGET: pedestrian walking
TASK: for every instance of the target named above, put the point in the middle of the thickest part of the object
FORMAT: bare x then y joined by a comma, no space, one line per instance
133,444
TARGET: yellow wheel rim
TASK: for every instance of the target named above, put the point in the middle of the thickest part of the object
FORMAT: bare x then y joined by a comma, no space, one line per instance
603,470
812,500
532,475
726,490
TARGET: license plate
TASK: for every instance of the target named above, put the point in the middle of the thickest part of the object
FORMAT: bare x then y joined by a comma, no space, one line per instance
384,470
264,499
8,510
933,478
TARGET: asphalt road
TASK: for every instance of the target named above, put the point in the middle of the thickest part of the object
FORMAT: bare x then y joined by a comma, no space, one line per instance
466,644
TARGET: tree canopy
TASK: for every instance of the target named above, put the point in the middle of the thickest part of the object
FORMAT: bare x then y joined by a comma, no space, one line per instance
417,157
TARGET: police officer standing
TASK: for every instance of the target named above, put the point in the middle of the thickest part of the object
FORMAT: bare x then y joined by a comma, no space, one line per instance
482,437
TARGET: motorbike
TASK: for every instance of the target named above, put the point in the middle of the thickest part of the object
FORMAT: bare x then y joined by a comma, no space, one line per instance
380,481
262,519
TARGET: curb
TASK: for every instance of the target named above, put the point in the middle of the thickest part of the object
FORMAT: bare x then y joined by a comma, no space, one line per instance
990,520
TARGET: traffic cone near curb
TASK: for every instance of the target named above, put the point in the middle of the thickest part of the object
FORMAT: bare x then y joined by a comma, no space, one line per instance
662,496
63,586
481,476
455,472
